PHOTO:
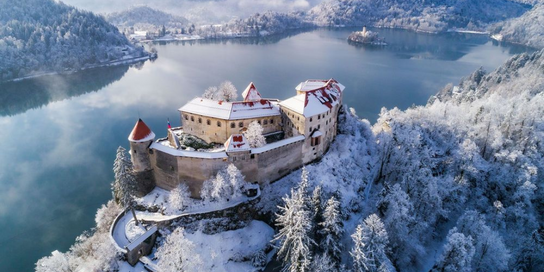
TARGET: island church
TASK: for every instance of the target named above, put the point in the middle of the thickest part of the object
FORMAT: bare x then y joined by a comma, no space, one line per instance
298,130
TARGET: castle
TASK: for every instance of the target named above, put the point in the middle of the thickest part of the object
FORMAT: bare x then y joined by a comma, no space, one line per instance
298,130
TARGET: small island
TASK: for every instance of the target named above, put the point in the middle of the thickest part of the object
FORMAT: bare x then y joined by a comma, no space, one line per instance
366,37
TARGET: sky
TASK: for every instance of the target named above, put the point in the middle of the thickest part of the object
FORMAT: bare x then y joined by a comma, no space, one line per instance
218,10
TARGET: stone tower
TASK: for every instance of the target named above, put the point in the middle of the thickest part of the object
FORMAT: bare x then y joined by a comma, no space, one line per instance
140,139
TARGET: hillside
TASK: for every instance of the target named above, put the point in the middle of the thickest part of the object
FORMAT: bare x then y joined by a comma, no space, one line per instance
527,29
419,15
44,36
455,185
145,18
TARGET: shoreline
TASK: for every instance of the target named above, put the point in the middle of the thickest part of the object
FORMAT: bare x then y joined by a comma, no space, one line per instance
111,63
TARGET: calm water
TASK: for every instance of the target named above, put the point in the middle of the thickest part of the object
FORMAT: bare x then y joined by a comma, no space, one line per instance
58,134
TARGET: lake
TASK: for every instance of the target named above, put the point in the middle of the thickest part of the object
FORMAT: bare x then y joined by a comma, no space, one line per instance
59,134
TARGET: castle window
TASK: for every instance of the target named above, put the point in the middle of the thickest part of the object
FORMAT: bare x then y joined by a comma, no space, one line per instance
252,156
310,129
271,121
192,118
232,125
318,126
310,119
265,122
219,123
150,151
298,118
208,122
318,116
259,121
241,124
199,120
186,117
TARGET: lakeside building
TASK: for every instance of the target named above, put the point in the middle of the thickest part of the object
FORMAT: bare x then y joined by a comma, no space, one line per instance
299,130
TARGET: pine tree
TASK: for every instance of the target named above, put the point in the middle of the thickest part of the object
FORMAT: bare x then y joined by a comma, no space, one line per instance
124,185
294,236
369,251
317,214
332,230
254,135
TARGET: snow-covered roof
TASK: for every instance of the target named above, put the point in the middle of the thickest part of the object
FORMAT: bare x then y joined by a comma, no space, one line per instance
316,134
251,93
315,97
231,110
141,133
236,142
185,153
277,144
141,239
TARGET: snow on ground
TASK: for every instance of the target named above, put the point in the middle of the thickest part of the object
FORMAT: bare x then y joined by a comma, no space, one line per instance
219,250
133,231
159,197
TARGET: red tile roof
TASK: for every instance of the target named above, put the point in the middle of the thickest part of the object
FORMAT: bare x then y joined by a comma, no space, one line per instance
141,132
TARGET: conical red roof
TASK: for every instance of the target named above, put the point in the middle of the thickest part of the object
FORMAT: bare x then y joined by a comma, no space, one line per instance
141,133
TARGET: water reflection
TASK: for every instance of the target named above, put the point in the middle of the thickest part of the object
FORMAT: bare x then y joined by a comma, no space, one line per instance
18,97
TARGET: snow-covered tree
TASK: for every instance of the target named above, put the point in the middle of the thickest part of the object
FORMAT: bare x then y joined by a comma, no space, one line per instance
254,135
317,214
211,93
229,183
457,254
332,230
322,263
227,91
370,244
490,252
294,236
178,254
57,262
124,185
179,198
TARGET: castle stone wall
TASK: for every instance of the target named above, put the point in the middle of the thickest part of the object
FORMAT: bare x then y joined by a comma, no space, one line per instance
219,130
169,170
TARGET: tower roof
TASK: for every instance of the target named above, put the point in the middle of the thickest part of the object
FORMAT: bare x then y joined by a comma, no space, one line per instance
236,142
141,133
251,93
315,97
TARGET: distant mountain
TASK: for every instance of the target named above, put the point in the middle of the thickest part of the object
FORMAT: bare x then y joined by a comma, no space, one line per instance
527,29
43,36
259,24
145,18
419,15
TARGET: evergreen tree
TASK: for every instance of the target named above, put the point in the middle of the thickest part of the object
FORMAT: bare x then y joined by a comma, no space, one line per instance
369,251
317,214
332,230
124,186
294,236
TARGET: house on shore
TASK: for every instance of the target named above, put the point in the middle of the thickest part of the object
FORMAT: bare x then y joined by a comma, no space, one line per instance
299,130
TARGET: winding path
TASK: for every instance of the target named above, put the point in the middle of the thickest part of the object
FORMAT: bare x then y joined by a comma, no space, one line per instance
118,230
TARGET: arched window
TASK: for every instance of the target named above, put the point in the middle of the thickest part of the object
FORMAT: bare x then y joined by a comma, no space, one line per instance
208,122
192,118
199,120
232,125
218,123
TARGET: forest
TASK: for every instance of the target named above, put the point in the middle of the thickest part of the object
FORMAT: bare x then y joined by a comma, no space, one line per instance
46,36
